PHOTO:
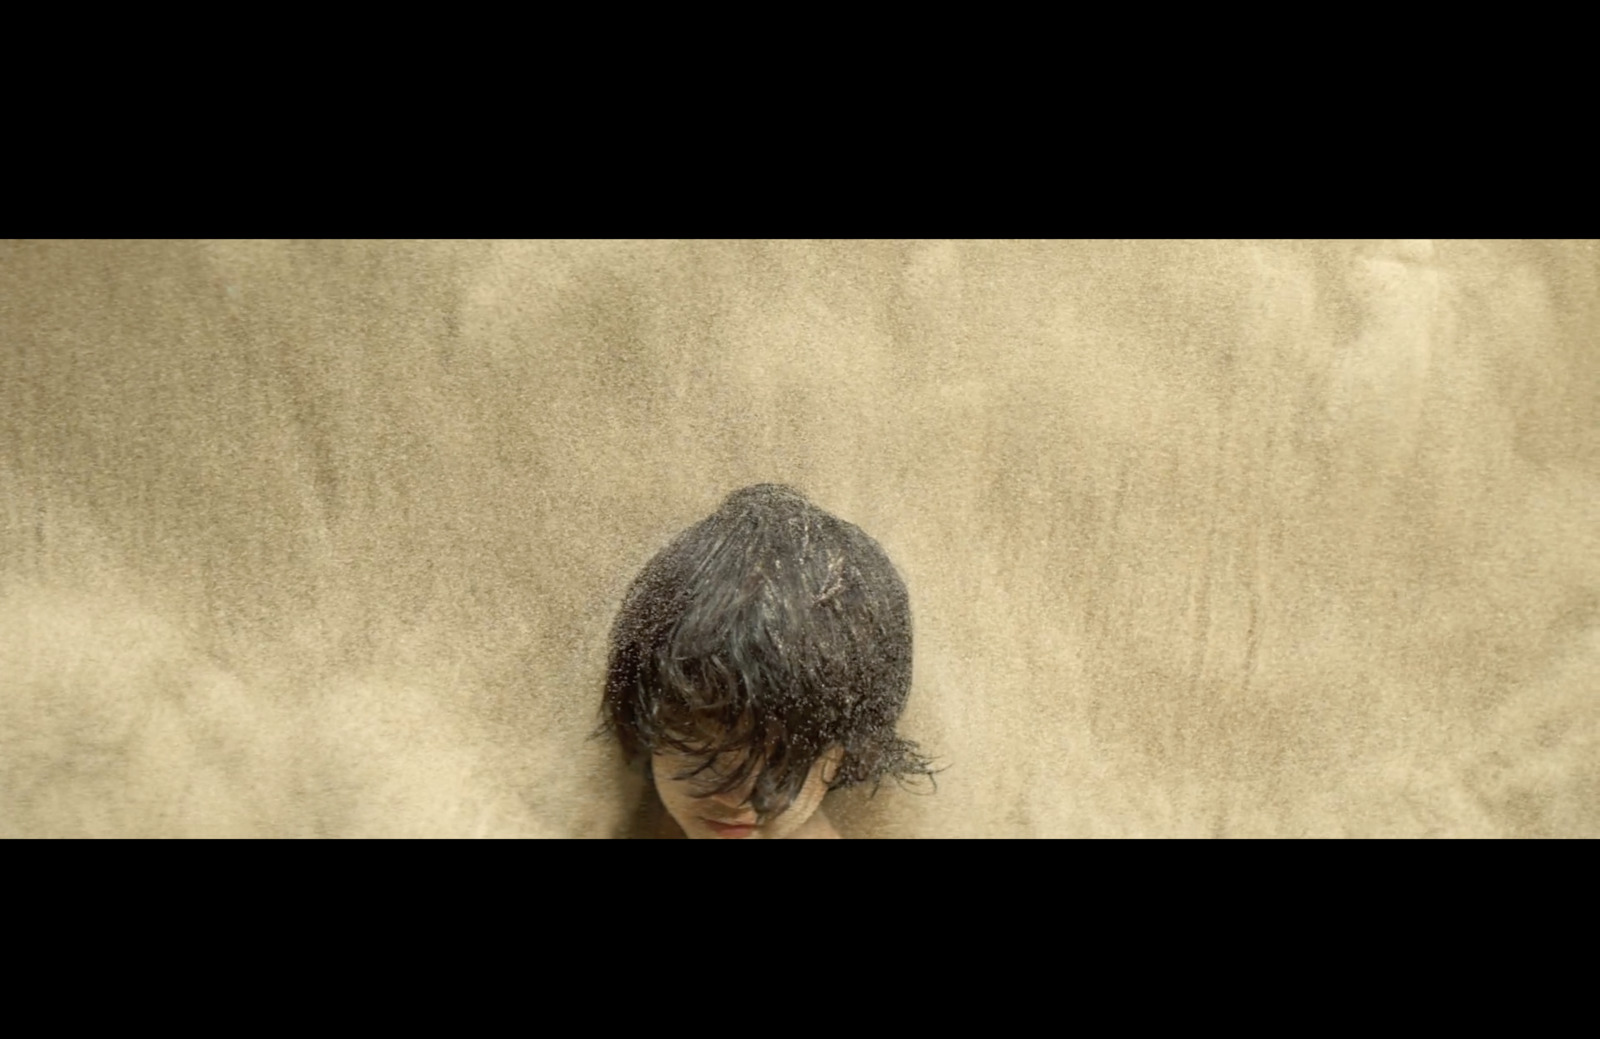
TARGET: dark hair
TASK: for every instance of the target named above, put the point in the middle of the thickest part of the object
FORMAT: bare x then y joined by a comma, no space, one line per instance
773,631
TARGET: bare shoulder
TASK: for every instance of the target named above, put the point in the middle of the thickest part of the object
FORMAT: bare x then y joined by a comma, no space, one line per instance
818,827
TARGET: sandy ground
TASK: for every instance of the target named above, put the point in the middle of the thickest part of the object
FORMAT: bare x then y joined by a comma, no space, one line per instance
1203,539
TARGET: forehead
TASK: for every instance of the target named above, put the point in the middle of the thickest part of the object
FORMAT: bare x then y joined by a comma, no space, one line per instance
704,754
749,743
703,772
712,748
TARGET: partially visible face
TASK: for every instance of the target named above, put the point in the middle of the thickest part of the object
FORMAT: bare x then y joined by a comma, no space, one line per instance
725,815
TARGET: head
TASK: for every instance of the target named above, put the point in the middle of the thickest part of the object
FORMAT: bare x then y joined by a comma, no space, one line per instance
760,660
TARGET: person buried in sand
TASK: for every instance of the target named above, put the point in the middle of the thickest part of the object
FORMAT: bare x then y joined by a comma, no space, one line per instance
759,661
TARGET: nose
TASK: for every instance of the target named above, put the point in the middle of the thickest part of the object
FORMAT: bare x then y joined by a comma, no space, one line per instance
736,797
